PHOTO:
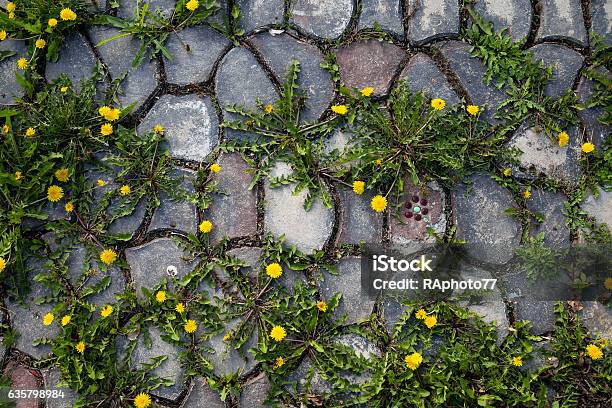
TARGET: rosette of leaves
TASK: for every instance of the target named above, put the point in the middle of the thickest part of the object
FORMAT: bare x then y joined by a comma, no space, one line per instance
280,136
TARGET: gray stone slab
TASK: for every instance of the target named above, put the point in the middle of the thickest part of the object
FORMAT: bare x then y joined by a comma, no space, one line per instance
471,71
51,378
307,378
127,8
565,63
369,63
323,19
280,50
433,19
358,222
177,214
554,227
255,392
597,318
387,14
234,211
354,302
597,132
194,51
512,15
601,18
285,215
149,262
130,223
422,75
240,63
599,208
76,60
539,312
562,19
261,13
141,81
201,395
9,88
191,125
479,211
543,155
225,359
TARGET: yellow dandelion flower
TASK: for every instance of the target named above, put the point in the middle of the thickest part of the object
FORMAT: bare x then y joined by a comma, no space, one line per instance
68,15
30,132
588,147
5,129
191,326
108,113
106,129
52,22
192,5
413,361
158,129
278,333
40,43
66,319
48,319
62,175
108,256
215,168
55,193
379,203
180,308
507,172
142,400
2,264
106,311
3,35
526,194
322,306
11,15
268,108
431,321
421,314
473,110
358,187
563,138
339,109
378,162
10,7
101,183
274,270
64,89
206,226
69,207
367,91
160,296
80,347
125,190
594,352
17,175
227,336
517,361
279,363
438,104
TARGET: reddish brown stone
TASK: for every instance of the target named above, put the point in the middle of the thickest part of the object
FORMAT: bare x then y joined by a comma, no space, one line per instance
412,224
23,378
369,63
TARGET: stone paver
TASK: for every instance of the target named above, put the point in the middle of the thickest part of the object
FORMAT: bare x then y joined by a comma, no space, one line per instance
255,392
191,125
324,19
149,262
76,60
596,131
544,155
599,208
194,52
359,222
128,224
177,214
601,18
233,211
285,215
385,13
471,71
565,63
562,19
554,227
280,50
51,377
433,19
9,88
226,360
307,378
513,15
23,378
597,318
369,63
201,395
240,63
260,13
491,235
423,75
128,8
539,312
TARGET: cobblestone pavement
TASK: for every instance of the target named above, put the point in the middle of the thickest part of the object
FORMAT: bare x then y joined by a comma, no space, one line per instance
189,93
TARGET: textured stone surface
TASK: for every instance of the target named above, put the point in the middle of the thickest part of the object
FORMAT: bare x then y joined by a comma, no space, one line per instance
190,122
307,378
128,8
118,54
470,72
539,312
597,318
285,214
240,63
562,19
128,224
596,132
551,206
234,211
513,15
601,18
280,50
369,63
491,235
599,208
325,19
177,214
359,222
387,14
9,88
51,377
23,378
544,155
565,63
433,19
260,13
422,74
194,52
149,262
76,60
354,303
202,396
255,392
227,360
